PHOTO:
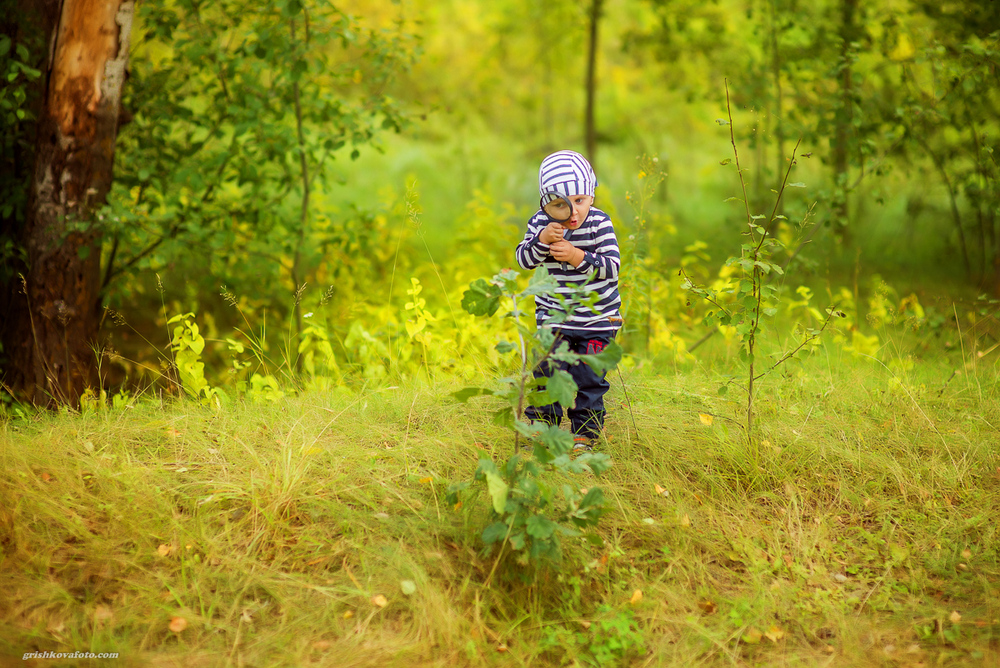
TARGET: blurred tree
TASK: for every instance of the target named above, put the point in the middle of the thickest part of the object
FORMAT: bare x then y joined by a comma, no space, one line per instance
589,127
50,326
239,109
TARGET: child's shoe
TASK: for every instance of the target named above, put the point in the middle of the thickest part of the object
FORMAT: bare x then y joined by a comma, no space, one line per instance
582,444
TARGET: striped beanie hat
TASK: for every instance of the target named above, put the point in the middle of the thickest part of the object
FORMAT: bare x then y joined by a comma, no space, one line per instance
567,173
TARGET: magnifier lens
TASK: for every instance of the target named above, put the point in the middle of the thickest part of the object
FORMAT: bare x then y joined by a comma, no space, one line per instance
557,207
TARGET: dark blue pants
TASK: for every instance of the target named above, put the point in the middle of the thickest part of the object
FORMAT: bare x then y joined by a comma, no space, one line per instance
587,415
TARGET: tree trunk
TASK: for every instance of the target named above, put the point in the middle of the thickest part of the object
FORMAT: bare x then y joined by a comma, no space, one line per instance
590,130
51,335
841,164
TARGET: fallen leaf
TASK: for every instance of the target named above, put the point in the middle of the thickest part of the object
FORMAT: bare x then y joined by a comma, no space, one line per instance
165,550
774,634
178,624
46,477
409,587
247,616
955,617
966,554
705,419
501,648
380,600
321,644
752,636
348,614
708,607
685,521
636,597
424,481
584,623
661,490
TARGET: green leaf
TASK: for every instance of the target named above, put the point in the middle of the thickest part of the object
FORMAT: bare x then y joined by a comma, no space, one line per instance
495,483
606,360
539,526
504,417
541,283
562,388
469,392
494,533
558,441
505,347
723,390
481,298
797,185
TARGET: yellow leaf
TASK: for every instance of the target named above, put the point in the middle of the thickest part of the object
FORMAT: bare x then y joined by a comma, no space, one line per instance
705,419
955,617
501,648
380,600
178,624
636,597
774,634
424,481
685,521
966,554
348,614
661,491
708,607
164,550
752,636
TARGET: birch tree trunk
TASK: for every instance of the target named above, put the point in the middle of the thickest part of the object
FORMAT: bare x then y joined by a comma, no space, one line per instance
52,333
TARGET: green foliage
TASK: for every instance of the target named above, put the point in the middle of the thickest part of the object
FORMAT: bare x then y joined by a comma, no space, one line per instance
611,640
743,303
18,87
239,112
533,514
187,346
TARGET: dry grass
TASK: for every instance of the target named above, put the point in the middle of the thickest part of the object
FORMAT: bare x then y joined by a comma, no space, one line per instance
861,532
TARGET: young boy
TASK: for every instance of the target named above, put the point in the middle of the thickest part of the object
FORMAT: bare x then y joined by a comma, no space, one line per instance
576,243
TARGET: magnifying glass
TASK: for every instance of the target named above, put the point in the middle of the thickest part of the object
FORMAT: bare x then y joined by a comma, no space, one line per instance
557,207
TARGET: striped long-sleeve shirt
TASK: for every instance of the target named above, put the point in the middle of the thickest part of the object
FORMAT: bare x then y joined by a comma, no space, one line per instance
599,270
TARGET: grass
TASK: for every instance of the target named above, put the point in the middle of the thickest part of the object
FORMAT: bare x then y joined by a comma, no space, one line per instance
861,531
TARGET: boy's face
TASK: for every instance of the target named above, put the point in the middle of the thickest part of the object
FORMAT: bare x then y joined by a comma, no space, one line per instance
581,209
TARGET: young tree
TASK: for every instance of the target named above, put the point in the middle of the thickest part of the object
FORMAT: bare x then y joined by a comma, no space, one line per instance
53,315
239,111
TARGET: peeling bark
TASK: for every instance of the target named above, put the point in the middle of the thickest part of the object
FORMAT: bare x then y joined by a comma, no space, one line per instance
53,331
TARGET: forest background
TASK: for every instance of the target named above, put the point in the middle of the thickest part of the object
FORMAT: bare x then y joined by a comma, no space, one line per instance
299,173
251,290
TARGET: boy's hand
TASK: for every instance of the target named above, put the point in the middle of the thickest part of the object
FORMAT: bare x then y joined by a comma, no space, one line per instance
552,233
564,251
